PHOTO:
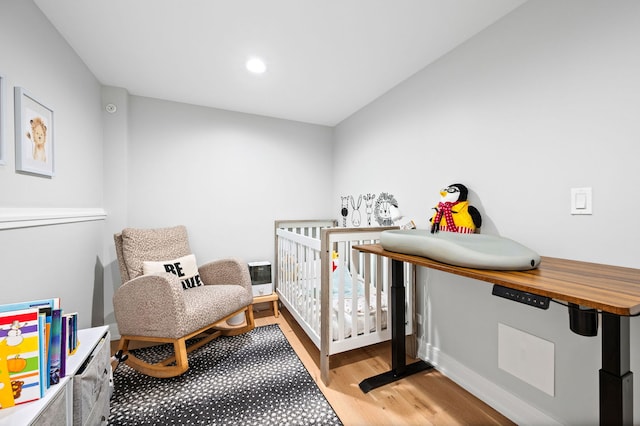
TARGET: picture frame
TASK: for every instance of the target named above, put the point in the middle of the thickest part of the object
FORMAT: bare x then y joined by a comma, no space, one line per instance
34,135
2,119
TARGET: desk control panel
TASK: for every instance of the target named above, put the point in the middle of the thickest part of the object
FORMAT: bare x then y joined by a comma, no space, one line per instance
541,302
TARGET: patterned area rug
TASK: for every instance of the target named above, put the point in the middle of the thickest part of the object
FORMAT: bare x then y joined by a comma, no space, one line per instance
252,379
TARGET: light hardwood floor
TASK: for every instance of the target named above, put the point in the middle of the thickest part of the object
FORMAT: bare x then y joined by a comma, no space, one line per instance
427,398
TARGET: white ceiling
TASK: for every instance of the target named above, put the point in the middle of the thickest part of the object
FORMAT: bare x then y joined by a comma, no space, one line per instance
326,59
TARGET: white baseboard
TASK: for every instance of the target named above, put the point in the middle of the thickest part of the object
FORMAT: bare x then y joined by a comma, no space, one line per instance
509,405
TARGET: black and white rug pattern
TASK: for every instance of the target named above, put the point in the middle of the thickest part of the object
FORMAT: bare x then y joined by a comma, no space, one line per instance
251,379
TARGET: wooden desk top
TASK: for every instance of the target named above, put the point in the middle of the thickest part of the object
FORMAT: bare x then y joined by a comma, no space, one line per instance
608,288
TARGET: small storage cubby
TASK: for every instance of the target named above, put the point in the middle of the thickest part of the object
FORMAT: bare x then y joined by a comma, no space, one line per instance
91,392
81,397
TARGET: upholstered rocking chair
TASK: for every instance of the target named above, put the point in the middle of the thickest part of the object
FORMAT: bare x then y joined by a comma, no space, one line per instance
166,298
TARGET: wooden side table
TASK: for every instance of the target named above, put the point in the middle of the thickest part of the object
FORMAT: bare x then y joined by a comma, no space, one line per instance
273,297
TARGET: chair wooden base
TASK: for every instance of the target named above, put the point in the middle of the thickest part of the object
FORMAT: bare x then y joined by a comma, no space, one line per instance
178,363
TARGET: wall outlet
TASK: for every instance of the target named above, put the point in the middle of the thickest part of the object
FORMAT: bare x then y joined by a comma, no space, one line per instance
419,319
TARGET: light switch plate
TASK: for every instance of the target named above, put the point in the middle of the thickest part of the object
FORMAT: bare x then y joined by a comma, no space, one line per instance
581,201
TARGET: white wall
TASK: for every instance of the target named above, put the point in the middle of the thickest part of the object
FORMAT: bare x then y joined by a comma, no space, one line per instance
60,260
545,100
226,176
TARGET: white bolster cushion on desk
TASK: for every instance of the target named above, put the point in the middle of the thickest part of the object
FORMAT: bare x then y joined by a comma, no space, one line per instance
478,251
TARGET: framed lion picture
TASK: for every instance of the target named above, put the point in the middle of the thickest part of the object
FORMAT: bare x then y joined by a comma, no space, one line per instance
34,135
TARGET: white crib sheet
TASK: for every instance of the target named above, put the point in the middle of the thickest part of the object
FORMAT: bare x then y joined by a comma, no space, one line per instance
360,315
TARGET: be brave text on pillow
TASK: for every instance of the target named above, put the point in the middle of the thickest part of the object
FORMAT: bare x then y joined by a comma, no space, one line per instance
184,268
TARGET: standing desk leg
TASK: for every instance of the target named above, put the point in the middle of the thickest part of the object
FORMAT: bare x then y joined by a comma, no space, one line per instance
399,367
616,379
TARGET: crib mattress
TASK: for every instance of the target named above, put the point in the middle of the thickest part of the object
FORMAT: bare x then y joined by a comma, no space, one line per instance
477,251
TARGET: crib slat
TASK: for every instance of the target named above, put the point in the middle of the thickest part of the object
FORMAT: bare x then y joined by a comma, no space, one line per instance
367,292
341,293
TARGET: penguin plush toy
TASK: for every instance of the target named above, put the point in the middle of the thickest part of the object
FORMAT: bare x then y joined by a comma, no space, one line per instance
453,212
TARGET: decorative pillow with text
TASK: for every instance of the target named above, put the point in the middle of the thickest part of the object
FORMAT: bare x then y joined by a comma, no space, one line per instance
184,267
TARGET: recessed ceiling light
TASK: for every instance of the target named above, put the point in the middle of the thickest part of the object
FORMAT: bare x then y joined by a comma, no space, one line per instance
256,66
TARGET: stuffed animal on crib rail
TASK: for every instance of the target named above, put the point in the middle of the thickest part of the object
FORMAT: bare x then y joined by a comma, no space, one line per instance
334,261
453,212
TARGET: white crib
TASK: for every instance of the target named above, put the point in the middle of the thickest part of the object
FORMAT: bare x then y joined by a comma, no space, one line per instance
316,275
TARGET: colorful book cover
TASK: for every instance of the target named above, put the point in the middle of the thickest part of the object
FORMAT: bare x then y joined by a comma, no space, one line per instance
53,303
72,331
53,360
46,311
46,305
44,377
6,393
64,346
70,334
20,333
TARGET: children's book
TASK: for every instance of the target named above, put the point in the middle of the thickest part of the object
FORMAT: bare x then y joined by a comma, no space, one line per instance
20,336
45,312
72,331
53,361
6,394
53,303
64,346
44,376
46,305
